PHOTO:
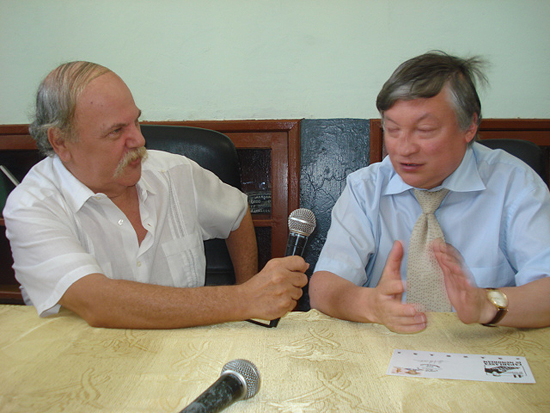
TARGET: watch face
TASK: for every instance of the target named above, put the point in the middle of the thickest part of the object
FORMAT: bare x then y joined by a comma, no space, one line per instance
498,298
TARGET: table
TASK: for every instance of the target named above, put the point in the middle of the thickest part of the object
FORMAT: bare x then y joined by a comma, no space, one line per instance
310,363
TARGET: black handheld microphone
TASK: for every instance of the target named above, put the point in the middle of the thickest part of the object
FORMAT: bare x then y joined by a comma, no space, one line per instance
301,224
239,380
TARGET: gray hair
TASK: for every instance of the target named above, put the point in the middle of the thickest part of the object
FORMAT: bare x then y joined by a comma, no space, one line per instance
56,101
426,75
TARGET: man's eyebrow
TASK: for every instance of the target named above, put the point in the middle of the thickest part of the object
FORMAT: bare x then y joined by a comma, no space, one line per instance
120,125
419,119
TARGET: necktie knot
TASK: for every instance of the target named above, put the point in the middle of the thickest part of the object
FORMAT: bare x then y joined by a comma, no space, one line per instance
430,201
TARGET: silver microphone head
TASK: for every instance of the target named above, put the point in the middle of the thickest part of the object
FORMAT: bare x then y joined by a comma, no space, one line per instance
247,373
302,221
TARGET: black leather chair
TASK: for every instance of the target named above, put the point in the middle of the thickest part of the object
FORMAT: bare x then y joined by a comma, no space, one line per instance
216,152
18,162
527,151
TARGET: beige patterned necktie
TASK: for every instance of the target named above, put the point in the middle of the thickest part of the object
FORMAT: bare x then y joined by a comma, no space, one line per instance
425,283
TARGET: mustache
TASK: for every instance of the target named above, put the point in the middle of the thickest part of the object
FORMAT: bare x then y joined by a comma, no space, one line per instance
131,156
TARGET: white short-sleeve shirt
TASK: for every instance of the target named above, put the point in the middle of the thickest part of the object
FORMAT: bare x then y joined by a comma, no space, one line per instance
61,231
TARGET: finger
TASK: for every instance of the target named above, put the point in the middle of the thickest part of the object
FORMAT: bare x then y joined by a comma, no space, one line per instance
297,294
390,283
408,320
447,257
392,288
408,329
299,279
392,269
294,263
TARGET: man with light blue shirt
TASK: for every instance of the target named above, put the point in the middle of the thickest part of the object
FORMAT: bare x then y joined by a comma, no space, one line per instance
495,217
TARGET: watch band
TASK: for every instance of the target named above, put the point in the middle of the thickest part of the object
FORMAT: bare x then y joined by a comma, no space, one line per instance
501,312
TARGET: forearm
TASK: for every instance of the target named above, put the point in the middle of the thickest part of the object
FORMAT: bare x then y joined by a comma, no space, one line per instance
528,305
243,250
104,302
340,298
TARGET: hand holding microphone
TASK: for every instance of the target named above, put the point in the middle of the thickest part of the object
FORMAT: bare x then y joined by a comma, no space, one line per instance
301,224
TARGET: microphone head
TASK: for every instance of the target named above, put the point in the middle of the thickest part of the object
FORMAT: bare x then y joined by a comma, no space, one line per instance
302,221
247,372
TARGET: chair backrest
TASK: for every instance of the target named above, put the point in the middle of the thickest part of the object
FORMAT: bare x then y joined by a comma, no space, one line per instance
216,152
527,151
18,163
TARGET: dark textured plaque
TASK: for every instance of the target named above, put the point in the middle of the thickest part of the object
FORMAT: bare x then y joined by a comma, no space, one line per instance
330,150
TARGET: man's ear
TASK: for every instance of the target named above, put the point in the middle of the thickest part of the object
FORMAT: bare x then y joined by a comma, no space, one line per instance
471,132
59,144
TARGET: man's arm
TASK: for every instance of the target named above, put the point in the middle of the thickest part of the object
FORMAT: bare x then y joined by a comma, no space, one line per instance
337,297
528,305
243,249
104,302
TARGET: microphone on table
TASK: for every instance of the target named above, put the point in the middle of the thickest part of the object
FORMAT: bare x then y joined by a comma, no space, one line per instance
301,224
239,380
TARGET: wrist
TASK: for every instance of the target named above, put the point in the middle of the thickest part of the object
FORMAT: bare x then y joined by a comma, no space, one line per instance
499,303
488,310
242,302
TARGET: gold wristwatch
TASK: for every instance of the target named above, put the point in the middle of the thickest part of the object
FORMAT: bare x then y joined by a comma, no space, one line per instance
500,301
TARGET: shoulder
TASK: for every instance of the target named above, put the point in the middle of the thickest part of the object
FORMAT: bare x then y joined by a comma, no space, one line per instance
38,182
41,193
499,165
376,175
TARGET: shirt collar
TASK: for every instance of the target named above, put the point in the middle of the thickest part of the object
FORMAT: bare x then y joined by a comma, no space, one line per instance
74,191
77,194
464,179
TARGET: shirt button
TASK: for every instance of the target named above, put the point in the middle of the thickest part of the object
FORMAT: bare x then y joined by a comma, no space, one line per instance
120,221
139,263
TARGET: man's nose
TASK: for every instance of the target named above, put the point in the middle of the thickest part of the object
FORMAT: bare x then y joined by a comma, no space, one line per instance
408,145
135,137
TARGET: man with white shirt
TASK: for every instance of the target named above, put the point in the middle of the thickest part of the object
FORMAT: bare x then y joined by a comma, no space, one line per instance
495,211
115,233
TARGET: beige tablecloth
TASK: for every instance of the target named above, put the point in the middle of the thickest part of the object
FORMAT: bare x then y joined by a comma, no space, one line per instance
310,363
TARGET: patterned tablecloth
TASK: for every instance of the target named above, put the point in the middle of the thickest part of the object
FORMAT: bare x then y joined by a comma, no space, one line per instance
310,363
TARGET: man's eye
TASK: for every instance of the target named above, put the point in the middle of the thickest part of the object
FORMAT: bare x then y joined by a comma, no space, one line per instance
115,132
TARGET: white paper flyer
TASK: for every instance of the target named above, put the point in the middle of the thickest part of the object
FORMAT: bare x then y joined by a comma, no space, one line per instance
504,369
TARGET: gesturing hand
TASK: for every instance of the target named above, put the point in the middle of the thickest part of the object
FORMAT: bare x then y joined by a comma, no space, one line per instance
468,300
388,308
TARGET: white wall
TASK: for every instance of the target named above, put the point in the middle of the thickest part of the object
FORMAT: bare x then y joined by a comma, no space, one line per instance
254,59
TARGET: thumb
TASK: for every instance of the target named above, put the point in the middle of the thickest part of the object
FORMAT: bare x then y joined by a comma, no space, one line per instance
391,276
392,270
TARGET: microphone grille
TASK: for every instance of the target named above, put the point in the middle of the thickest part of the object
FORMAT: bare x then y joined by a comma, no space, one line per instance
302,221
249,373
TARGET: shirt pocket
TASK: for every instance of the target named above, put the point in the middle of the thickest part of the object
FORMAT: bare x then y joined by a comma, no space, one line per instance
186,261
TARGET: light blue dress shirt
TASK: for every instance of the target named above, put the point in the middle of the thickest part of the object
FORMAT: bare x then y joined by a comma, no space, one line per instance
497,214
